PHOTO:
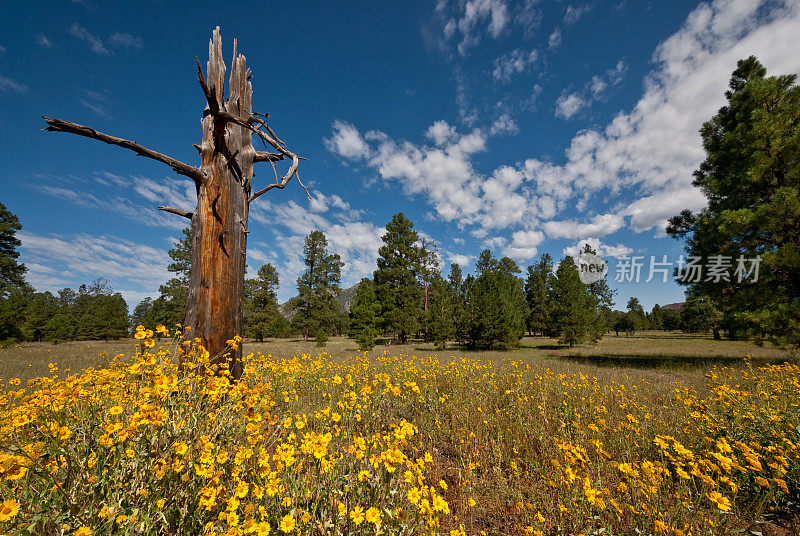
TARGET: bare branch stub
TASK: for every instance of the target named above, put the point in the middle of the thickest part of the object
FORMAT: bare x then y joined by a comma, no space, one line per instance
178,211
213,105
58,125
264,156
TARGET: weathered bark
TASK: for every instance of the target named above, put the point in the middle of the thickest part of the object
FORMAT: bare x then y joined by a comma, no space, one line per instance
219,223
224,184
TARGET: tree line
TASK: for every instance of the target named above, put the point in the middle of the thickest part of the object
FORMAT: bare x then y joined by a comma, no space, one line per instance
408,296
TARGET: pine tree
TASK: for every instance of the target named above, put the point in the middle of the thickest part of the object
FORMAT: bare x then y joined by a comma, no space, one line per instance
396,286
101,313
456,287
574,314
15,293
171,304
64,325
318,312
11,272
496,307
261,303
428,271
751,178
636,314
441,314
537,294
365,318
42,307
699,315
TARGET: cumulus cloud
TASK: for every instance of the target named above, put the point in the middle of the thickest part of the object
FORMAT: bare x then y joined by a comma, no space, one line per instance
457,258
472,18
640,163
503,125
346,141
524,245
655,147
514,62
600,225
603,250
444,174
571,103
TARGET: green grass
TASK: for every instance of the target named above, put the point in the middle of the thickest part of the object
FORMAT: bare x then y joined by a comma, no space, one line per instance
648,355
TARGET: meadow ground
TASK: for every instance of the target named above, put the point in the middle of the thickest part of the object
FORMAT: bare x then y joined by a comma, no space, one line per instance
660,433
686,354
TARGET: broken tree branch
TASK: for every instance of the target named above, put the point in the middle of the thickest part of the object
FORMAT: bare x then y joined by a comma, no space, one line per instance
264,156
58,125
178,211
213,105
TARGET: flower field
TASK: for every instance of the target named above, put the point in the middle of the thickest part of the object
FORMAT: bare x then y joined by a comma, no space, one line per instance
398,444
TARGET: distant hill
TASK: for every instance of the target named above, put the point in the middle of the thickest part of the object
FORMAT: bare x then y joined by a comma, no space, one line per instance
345,299
673,306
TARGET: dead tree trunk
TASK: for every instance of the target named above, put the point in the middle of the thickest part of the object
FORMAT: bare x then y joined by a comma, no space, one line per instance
223,182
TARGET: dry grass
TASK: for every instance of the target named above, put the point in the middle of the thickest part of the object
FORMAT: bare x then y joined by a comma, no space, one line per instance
650,354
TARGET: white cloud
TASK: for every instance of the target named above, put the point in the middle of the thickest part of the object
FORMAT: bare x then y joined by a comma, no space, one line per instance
503,125
603,250
7,84
600,225
574,13
94,42
441,132
96,102
116,200
471,18
524,245
73,260
640,163
43,41
554,41
569,104
459,259
125,40
346,141
655,147
511,63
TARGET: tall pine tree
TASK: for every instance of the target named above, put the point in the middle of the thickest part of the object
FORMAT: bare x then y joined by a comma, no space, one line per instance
365,317
261,303
537,294
574,314
396,286
751,178
318,313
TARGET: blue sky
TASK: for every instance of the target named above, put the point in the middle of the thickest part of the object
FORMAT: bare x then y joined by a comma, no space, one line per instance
525,127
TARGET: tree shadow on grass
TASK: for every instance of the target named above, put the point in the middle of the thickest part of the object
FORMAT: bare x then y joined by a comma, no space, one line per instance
668,362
